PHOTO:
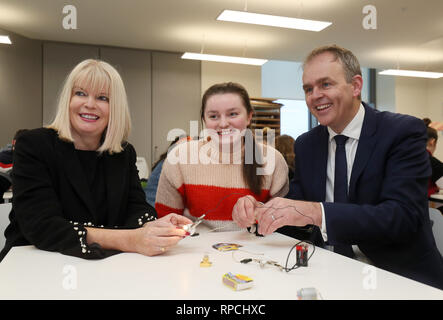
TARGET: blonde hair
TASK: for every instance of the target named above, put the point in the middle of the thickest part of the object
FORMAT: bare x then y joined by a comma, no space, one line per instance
96,75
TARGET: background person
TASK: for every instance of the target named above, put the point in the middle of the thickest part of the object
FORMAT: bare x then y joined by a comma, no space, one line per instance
152,183
436,179
6,163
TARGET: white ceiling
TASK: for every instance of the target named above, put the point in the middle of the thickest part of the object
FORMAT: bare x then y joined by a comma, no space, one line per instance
409,33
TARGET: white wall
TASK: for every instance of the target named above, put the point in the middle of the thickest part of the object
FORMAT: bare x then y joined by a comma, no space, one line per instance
20,86
282,79
421,98
411,96
218,72
385,92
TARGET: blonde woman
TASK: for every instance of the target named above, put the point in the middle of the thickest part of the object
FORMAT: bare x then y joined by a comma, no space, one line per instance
76,186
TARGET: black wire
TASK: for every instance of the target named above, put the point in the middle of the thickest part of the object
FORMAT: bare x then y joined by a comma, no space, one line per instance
295,266
310,229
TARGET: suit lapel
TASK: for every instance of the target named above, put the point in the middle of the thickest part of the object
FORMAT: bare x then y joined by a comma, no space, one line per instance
321,161
115,172
365,148
74,172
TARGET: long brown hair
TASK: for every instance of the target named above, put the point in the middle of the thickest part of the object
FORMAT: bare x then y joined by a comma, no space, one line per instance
252,180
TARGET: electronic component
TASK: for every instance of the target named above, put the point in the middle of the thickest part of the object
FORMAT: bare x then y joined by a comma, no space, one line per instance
307,294
262,262
302,255
237,281
191,228
205,262
226,246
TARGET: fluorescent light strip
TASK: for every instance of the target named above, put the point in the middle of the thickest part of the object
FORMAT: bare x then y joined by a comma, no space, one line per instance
229,59
5,39
274,21
411,73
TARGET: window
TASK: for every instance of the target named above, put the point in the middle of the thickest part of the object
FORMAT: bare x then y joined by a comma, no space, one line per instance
294,117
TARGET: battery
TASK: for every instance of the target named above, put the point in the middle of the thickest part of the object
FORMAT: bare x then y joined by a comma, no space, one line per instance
302,255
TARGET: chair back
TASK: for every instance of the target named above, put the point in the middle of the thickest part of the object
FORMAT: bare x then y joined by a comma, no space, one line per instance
5,209
437,227
142,167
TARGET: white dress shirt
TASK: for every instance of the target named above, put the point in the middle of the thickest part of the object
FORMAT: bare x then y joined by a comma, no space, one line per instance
352,131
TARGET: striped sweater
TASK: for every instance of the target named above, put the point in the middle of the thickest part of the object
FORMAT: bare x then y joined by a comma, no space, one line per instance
197,179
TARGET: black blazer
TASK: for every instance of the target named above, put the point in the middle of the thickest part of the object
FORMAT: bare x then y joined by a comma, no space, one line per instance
387,216
52,203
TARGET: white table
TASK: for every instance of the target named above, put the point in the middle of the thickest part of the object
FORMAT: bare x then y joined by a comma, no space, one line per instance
438,197
29,273
7,196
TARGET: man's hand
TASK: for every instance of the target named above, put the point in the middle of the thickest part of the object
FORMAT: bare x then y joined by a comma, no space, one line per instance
279,212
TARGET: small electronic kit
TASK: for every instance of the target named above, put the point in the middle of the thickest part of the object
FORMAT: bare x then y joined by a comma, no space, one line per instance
226,246
237,281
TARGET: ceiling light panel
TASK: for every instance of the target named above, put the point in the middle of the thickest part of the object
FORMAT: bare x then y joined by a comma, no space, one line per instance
273,21
228,59
411,73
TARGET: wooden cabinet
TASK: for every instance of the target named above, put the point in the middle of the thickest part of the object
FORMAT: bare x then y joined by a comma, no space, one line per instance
266,114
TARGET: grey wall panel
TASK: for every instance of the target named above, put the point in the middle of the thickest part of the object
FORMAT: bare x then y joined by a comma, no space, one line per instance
58,60
20,86
176,92
134,67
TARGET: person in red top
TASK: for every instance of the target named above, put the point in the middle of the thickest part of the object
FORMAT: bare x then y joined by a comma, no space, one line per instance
6,165
436,179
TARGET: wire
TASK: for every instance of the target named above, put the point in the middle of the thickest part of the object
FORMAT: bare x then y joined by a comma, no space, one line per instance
270,262
310,229
295,266
262,262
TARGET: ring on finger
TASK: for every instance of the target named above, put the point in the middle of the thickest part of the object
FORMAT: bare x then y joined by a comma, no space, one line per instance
162,249
273,218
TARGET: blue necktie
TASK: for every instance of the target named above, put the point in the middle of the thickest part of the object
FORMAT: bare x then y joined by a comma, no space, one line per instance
341,185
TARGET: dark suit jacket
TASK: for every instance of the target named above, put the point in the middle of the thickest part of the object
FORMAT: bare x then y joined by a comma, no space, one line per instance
52,202
387,216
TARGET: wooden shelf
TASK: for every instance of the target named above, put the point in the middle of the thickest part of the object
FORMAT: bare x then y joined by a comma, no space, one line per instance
266,114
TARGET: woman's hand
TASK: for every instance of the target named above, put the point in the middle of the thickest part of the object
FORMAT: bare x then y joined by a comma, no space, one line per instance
156,237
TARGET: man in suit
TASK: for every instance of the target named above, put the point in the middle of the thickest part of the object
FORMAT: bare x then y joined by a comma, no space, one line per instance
361,177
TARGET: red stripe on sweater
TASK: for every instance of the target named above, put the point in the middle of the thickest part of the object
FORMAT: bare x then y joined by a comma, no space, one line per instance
5,165
163,210
216,202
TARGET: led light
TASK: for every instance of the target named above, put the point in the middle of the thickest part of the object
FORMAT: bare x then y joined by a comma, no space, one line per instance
411,73
274,21
229,59
5,39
